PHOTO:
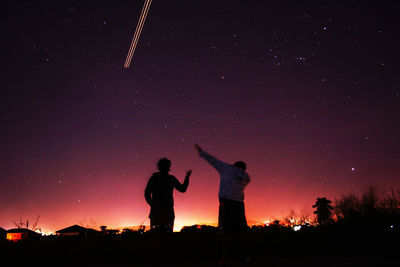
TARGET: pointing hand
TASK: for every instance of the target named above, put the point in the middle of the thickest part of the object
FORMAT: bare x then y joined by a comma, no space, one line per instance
198,148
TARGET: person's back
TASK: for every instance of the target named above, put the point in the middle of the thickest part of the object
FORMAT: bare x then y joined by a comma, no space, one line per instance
233,178
233,181
161,186
159,195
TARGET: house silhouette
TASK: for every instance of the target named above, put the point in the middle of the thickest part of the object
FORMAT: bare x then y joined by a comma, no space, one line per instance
77,231
18,234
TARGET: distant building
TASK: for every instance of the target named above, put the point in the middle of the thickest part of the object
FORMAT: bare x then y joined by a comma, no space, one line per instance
18,234
77,231
3,233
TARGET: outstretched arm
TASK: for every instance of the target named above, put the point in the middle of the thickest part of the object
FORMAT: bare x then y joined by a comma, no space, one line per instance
183,187
219,165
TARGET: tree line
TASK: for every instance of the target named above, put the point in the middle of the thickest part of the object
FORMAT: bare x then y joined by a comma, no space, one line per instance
369,208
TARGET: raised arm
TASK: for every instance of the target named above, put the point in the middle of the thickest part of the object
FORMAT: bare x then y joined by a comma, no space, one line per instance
183,187
219,165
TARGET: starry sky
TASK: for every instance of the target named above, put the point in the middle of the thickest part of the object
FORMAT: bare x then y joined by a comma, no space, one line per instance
307,93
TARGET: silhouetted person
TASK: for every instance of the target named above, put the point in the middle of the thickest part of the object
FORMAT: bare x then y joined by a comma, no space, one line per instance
159,195
232,219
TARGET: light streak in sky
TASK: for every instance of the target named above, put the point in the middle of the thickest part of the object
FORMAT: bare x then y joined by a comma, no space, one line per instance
138,31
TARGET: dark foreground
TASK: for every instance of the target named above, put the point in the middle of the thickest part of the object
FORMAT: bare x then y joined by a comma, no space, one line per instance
256,263
269,247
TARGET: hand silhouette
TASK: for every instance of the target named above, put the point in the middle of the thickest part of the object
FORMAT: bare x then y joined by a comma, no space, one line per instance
188,173
198,148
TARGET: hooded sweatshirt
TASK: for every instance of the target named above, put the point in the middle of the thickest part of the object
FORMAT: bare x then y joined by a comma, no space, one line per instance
233,180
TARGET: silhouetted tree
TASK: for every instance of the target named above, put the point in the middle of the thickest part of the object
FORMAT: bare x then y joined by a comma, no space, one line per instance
324,210
305,216
372,208
370,205
391,203
347,207
142,229
291,218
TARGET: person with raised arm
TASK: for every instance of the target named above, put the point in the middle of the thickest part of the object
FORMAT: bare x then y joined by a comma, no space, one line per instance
231,219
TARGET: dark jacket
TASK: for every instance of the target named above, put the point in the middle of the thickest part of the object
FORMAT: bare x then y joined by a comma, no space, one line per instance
159,194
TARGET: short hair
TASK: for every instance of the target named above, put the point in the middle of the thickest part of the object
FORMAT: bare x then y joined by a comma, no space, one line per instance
163,164
241,165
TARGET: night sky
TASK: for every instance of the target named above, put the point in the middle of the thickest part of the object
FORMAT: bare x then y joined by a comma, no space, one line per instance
307,93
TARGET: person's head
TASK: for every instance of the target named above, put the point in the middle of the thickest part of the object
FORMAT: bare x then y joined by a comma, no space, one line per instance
240,165
164,165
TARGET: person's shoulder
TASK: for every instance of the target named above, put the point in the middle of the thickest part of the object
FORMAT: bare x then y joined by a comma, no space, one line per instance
172,177
154,175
